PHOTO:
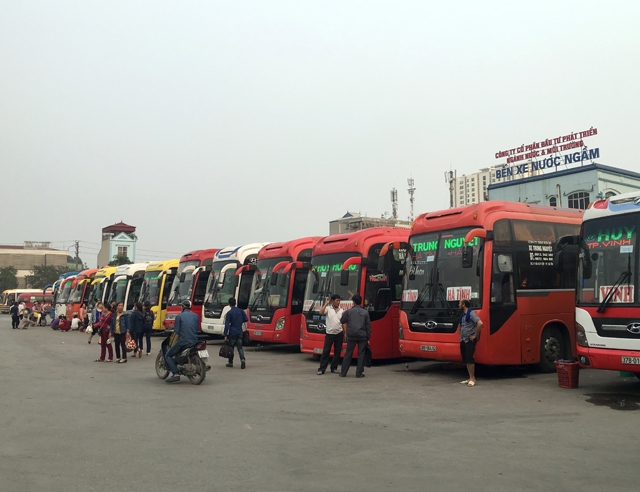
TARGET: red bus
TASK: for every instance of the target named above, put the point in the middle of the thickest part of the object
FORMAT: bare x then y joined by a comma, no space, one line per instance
499,255
81,289
29,299
277,291
357,263
190,283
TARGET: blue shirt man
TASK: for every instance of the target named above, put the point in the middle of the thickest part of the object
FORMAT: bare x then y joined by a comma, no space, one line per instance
186,327
233,331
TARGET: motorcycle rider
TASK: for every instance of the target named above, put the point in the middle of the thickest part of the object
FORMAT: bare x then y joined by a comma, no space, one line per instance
186,327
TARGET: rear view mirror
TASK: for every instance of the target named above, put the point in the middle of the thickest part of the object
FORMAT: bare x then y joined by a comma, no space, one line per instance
274,278
315,287
344,277
283,280
381,263
183,276
467,256
234,280
558,260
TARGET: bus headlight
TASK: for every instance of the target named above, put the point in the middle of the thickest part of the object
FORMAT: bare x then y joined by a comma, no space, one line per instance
581,336
400,331
280,324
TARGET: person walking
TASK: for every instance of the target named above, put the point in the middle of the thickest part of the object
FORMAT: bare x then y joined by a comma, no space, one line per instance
119,329
136,327
102,327
233,331
149,318
358,333
15,317
186,327
334,334
95,318
470,327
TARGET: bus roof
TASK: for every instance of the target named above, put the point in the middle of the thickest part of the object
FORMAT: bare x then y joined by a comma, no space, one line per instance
618,204
158,266
105,272
204,256
89,273
359,241
239,253
131,269
290,249
484,214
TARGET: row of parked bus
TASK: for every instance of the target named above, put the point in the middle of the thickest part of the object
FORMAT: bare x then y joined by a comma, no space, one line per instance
518,264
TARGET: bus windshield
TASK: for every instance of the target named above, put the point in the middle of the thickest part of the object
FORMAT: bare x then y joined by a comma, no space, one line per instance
64,294
151,288
181,287
76,294
434,275
613,249
265,296
218,295
118,290
324,280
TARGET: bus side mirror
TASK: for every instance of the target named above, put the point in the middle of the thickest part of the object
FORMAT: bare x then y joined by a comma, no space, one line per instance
315,287
344,278
274,278
235,282
381,263
183,276
558,260
467,256
283,279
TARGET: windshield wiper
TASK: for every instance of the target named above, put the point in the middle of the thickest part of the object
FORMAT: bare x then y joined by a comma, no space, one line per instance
443,297
263,294
624,277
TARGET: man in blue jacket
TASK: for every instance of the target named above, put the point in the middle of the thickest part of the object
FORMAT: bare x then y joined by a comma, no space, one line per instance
233,330
186,327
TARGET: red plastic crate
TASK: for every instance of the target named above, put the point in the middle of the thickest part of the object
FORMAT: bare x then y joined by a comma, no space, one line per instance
568,374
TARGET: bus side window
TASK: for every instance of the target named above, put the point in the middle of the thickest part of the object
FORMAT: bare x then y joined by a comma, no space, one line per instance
201,288
502,279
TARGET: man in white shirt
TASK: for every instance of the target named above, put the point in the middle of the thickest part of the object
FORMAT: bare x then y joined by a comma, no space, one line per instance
75,323
334,334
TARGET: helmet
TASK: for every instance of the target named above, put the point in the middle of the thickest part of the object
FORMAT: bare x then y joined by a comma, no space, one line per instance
186,304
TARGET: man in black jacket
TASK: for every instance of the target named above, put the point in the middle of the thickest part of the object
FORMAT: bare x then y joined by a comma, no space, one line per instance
358,333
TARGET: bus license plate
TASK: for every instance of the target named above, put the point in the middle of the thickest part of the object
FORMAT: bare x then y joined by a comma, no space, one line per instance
203,354
317,351
257,333
428,348
631,360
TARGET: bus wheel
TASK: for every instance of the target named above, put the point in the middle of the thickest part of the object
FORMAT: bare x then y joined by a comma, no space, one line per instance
552,348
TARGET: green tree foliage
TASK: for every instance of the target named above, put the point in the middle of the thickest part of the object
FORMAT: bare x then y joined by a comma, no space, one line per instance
120,260
43,275
8,279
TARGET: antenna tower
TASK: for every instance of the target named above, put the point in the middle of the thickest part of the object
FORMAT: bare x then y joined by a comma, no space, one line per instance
450,177
411,191
394,203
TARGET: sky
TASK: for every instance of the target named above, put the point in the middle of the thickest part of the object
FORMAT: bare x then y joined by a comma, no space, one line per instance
210,124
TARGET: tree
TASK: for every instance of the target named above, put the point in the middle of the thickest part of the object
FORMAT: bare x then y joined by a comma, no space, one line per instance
8,278
120,260
43,275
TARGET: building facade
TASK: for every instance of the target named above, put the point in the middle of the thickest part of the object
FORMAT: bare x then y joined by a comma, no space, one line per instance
117,240
472,188
24,258
572,188
351,222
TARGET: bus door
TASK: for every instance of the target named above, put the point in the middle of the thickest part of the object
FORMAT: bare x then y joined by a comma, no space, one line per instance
502,291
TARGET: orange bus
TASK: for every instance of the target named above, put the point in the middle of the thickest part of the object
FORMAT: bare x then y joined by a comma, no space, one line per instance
499,255
357,263
81,289
277,291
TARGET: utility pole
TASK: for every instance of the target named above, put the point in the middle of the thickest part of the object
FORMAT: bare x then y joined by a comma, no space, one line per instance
411,191
394,203
77,253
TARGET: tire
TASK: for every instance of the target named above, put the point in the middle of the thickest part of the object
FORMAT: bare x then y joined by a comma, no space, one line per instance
161,366
201,370
552,348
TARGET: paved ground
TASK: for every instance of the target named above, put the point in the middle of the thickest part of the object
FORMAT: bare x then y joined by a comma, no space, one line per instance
69,424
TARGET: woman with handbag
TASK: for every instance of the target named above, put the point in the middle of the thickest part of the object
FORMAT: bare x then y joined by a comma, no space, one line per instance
101,327
136,327
120,330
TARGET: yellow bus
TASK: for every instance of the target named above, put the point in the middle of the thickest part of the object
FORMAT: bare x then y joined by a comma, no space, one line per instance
101,284
156,288
10,296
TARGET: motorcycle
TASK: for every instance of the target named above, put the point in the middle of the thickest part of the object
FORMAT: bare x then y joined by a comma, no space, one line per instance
192,361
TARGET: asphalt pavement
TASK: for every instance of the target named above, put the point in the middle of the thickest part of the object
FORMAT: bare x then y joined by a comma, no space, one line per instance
70,424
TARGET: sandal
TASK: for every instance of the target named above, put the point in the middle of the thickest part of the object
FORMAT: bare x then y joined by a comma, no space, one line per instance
471,383
122,361
466,381
99,360
109,360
